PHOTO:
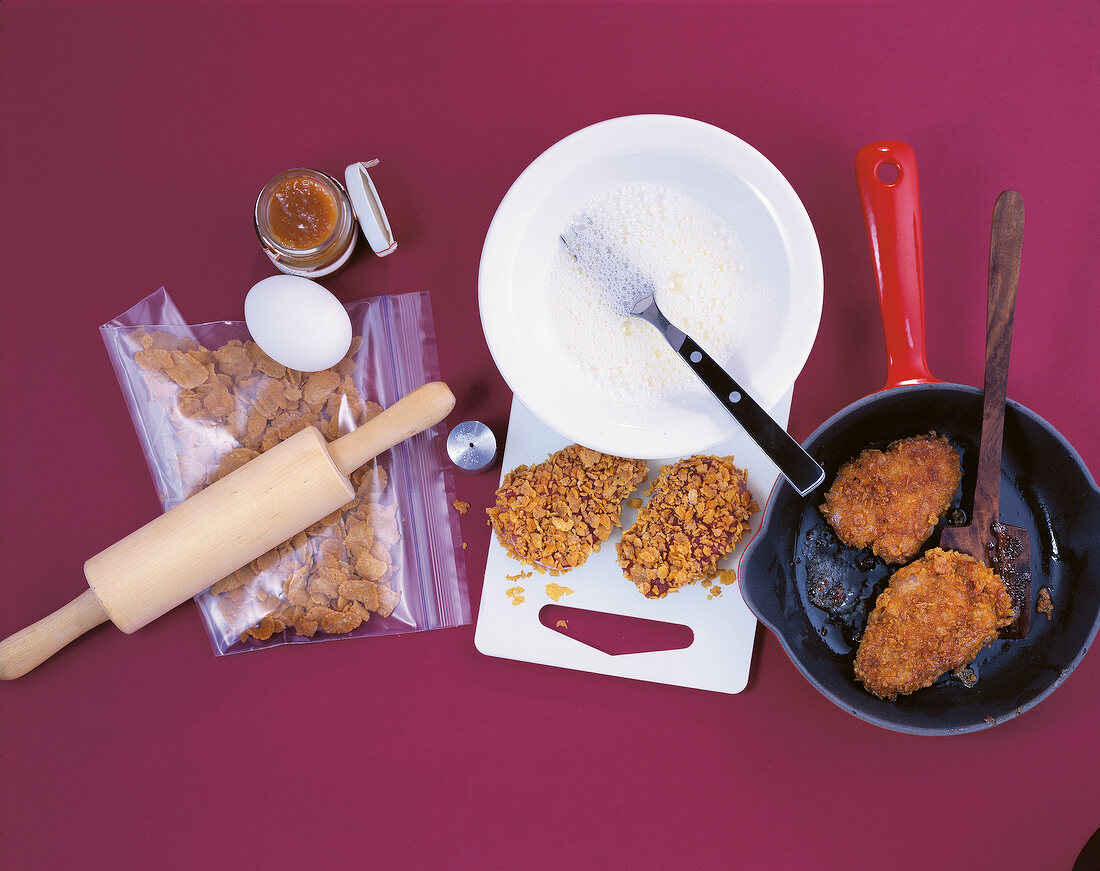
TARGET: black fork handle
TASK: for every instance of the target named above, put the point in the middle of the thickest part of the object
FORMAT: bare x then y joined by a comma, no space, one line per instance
798,467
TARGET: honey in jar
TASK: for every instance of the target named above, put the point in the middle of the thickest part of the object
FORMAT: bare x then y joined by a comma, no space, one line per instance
305,222
301,213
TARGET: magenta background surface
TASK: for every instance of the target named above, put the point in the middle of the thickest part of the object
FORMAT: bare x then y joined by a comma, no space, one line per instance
134,138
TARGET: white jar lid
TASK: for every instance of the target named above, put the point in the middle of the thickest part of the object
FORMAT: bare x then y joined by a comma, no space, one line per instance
368,208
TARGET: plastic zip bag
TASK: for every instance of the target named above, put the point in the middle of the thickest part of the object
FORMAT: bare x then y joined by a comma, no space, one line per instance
204,399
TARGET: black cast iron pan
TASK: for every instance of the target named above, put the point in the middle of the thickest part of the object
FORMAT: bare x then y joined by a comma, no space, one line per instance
815,593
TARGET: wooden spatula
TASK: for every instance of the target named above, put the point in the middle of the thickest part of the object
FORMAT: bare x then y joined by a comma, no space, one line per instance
1003,548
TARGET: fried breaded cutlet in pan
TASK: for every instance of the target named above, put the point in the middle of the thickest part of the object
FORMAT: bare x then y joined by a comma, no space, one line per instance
555,514
698,510
935,615
891,500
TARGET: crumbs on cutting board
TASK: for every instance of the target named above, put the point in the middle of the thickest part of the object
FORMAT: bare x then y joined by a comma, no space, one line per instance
556,591
460,506
561,624
516,593
725,577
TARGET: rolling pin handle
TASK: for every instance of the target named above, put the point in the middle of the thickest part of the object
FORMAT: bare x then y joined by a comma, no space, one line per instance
417,411
24,650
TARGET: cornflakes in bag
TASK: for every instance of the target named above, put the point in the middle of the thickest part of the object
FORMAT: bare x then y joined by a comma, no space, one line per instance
205,400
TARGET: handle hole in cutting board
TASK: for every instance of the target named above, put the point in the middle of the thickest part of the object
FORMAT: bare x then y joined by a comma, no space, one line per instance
615,634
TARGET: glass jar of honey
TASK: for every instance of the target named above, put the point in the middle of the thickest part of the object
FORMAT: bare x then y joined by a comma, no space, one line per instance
305,222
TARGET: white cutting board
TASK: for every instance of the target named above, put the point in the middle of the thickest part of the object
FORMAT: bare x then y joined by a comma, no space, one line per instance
720,655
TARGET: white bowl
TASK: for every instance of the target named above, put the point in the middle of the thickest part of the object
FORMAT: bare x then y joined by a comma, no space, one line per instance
707,165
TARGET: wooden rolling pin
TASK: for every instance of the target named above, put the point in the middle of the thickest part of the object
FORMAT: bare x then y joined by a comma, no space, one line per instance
221,528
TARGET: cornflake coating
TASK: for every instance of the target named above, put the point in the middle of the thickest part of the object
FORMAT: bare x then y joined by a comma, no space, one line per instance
934,616
698,510
554,515
891,500
227,406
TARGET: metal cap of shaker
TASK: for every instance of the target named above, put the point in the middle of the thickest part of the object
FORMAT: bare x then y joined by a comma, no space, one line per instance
472,446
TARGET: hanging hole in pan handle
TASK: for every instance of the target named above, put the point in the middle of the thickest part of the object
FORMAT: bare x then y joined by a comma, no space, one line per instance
888,172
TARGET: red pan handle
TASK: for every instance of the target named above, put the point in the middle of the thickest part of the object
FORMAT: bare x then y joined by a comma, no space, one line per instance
886,174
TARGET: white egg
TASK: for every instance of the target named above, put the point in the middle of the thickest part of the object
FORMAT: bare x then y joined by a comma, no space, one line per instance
297,322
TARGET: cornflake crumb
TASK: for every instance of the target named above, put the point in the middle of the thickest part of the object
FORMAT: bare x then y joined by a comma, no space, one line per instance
518,576
634,503
1043,603
516,595
464,545
460,506
727,577
555,514
555,591
561,624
